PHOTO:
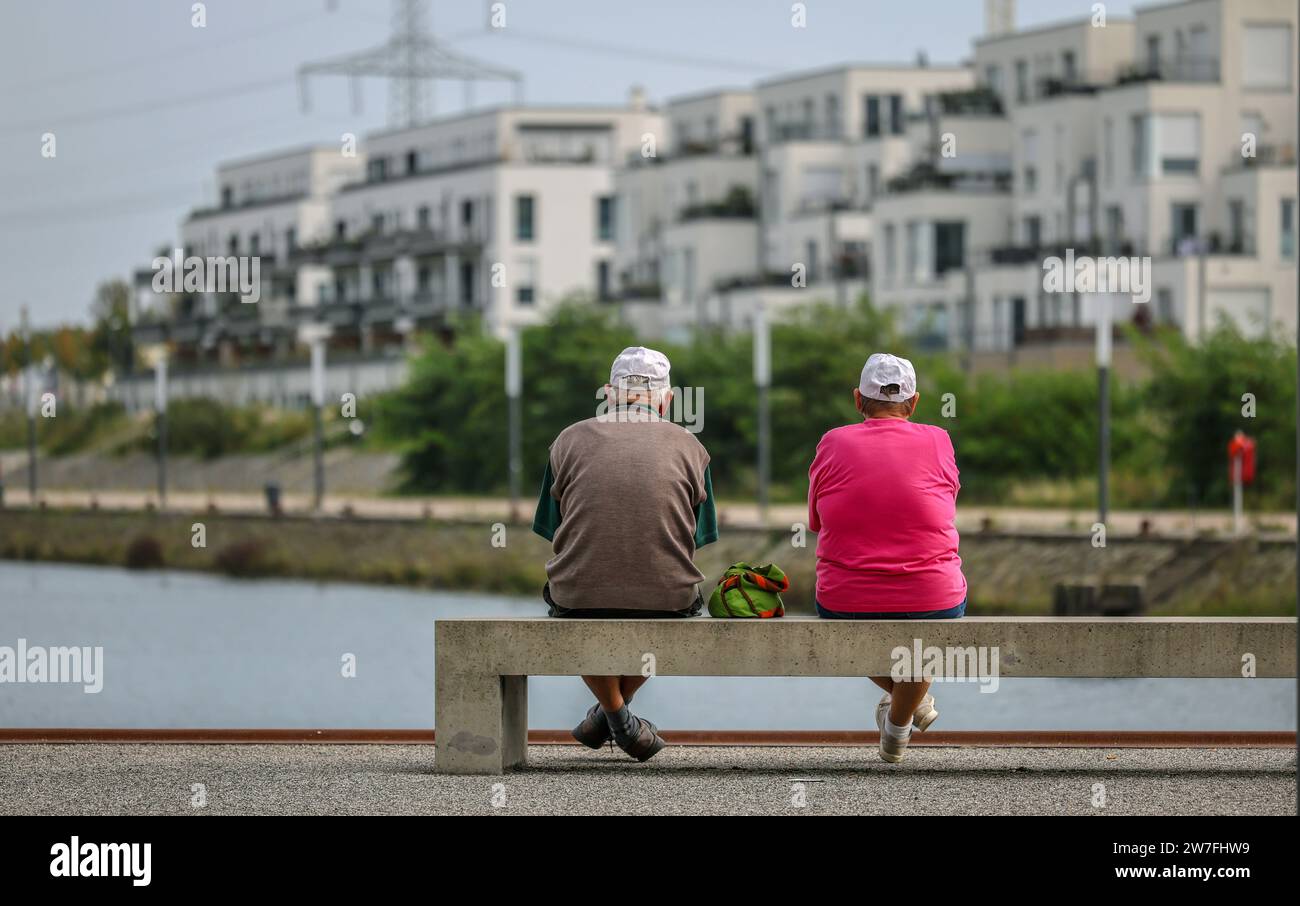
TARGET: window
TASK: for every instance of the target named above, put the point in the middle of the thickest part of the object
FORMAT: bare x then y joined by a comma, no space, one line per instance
1115,227
526,281
290,240
377,169
467,213
993,79
422,217
412,162
913,251
896,114
1059,142
813,262
1153,53
1287,229
1108,151
949,247
1033,227
1029,157
1069,71
1267,56
603,293
605,218
873,182
1022,81
525,228
1178,143
1139,148
340,229
891,254
873,116
1236,226
232,244
833,126
227,196
377,223
254,244
1183,218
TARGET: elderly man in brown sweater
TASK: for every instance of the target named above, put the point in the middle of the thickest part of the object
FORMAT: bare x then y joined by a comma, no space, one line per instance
626,493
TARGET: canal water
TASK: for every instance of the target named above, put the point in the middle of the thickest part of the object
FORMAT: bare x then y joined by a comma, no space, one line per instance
195,650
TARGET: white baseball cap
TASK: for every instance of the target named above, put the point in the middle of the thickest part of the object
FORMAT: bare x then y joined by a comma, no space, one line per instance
883,369
640,366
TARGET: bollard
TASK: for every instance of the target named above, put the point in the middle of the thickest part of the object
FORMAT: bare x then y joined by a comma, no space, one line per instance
273,498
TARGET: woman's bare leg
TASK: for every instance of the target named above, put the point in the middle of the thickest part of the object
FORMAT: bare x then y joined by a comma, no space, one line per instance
904,699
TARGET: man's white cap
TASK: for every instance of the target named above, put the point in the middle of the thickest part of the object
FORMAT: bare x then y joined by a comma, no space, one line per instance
638,366
883,369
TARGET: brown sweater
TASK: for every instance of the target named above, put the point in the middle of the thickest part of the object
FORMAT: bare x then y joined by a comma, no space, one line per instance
627,494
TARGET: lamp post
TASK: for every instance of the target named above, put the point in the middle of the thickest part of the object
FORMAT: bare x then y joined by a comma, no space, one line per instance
514,392
315,335
157,357
762,381
1104,355
29,399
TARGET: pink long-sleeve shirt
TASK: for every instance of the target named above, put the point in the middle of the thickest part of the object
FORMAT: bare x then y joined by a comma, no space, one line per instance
882,499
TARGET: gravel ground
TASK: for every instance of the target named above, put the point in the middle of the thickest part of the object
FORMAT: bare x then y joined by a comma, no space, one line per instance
398,779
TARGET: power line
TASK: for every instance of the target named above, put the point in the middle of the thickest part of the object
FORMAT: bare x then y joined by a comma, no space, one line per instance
93,116
624,50
187,53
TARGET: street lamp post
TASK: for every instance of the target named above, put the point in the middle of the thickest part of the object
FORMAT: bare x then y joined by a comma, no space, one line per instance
160,419
29,399
315,336
1104,355
762,381
514,392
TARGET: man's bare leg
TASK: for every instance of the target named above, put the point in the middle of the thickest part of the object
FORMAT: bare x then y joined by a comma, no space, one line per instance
628,686
607,690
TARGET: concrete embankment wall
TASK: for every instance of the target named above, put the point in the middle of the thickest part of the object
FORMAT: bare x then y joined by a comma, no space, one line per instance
1008,574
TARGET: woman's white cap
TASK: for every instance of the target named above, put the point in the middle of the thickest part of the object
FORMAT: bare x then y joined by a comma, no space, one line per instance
883,369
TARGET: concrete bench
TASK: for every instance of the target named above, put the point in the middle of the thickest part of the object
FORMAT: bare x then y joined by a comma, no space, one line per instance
483,664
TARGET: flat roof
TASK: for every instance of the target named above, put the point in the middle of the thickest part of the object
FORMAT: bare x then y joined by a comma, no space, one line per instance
269,156
1051,26
873,67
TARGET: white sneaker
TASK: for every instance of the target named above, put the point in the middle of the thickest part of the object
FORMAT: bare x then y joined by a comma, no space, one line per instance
893,750
924,715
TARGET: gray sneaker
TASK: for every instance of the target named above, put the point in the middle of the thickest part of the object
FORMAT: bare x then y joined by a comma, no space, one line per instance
594,731
645,743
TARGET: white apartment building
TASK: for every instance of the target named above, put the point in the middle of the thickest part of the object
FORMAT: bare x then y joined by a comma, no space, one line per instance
500,212
937,190
941,190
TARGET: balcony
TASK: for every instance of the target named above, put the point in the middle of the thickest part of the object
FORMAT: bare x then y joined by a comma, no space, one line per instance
975,102
1182,69
738,205
925,177
374,245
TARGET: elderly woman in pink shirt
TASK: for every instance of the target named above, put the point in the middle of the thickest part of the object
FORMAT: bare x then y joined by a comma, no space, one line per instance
882,499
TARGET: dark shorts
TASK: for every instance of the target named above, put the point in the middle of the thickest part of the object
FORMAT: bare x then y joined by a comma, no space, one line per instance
952,613
555,610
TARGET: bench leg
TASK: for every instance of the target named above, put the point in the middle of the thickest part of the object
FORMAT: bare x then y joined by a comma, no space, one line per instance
480,723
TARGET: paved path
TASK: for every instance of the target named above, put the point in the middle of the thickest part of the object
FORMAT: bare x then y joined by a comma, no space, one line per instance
969,518
397,779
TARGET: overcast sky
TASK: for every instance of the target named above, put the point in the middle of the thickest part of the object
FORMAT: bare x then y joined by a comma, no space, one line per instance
143,105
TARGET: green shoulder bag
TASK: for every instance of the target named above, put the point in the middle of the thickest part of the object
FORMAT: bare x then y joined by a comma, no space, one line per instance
747,591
